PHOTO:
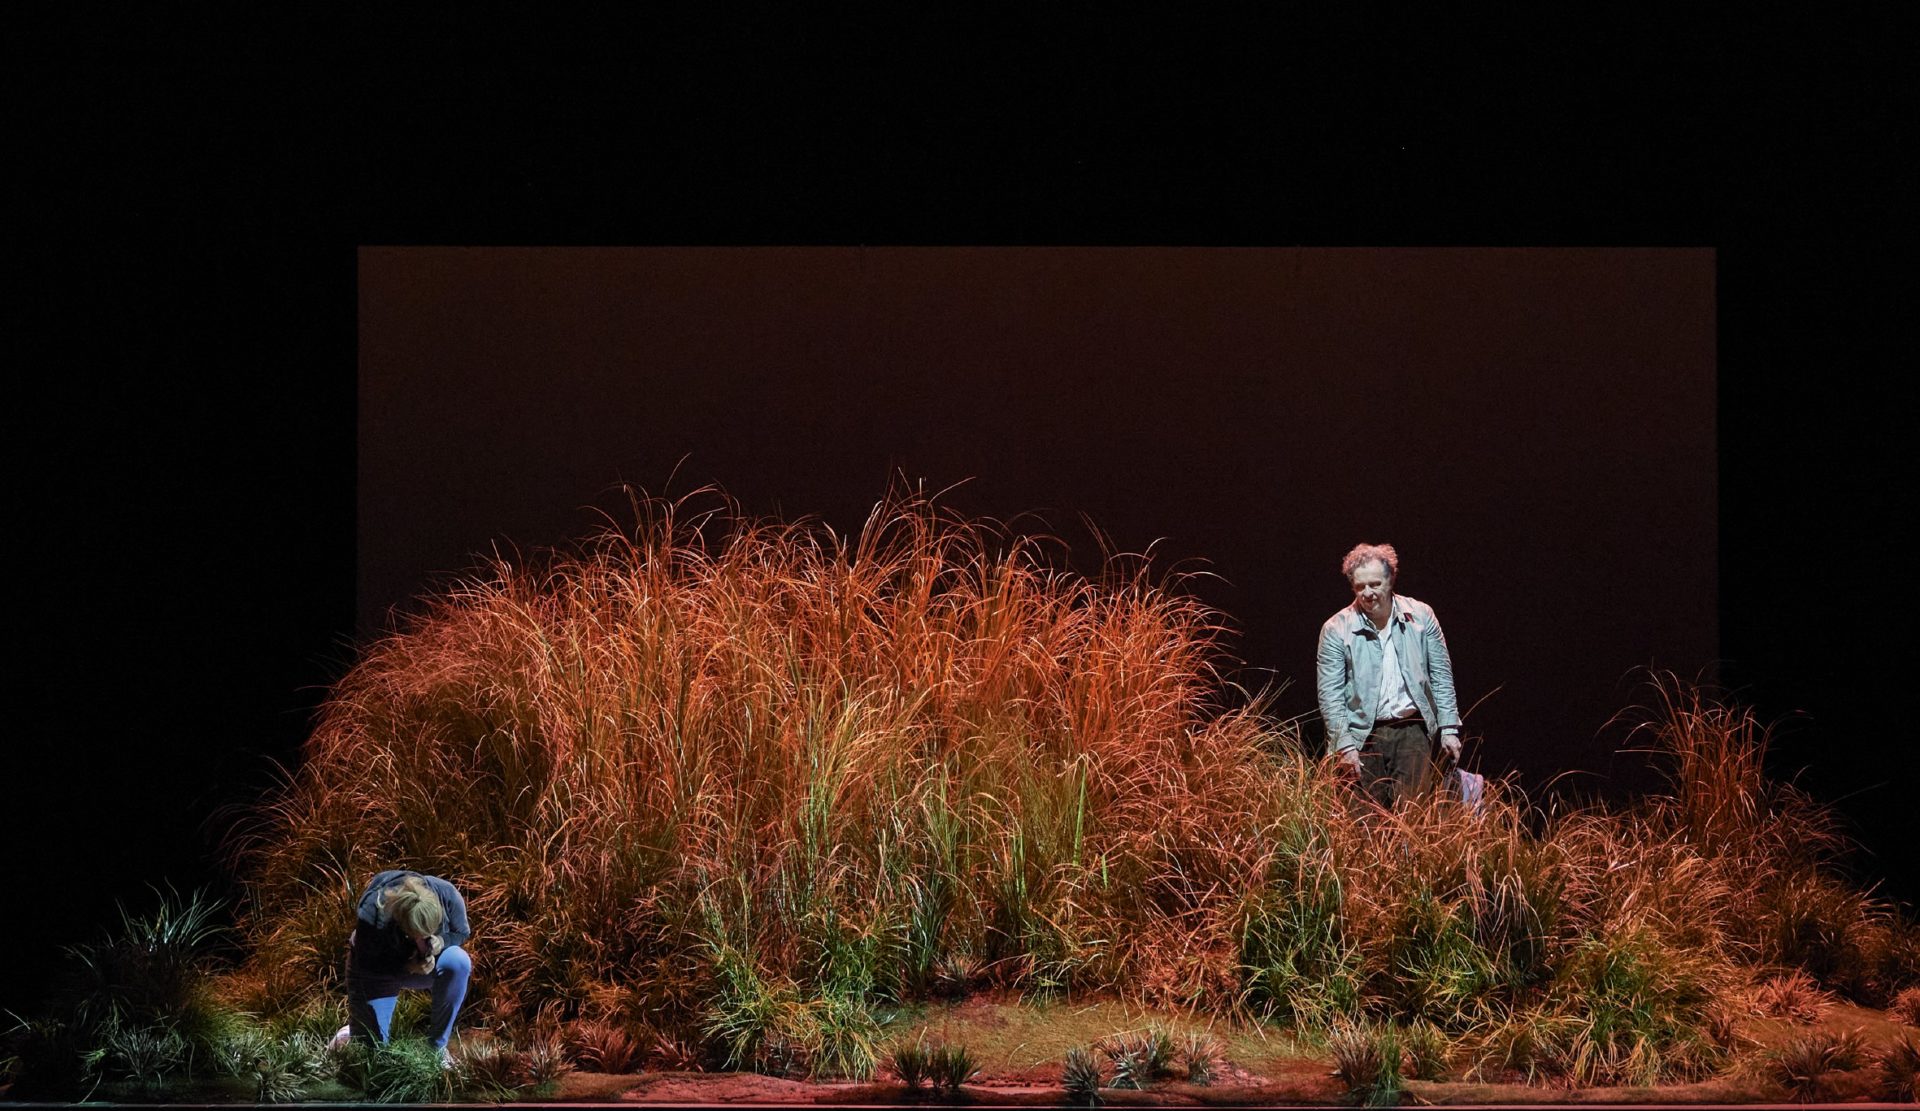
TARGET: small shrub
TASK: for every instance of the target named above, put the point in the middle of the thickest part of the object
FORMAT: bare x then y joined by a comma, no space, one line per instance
411,1013
403,1070
912,1063
602,1045
845,1045
1792,996
287,1066
675,1054
1535,1042
319,1015
152,970
546,1064
1301,969
1081,1077
760,1022
496,1010
1367,1059
1805,1067
489,1069
1127,1053
957,973
1139,1056
1812,919
143,1057
1161,1050
46,1060
1897,1070
951,1066
1426,1050
1201,1053
1638,1005
1129,1070
242,1050
1906,1006
1432,967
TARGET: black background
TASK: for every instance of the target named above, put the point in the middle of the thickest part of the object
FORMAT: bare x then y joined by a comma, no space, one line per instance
186,541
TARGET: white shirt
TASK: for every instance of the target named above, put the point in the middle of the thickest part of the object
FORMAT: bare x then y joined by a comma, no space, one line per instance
1395,700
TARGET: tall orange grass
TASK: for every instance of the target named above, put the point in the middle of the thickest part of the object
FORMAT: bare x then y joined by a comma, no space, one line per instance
740,780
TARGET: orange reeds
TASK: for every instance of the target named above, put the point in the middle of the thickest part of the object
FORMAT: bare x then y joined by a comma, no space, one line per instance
926,736
753,776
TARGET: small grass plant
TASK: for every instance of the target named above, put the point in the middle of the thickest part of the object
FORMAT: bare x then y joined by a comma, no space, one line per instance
546,1064
283,1066
951,1066
1139,1057
489,1069
1905,1007
1201,1055
1807,1067
400,1070
1367,1059
1081,1077
1792,995
1428,1053
603,1045
912,1063
1897,1070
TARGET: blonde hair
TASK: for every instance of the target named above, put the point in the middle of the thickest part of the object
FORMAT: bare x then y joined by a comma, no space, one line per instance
414,907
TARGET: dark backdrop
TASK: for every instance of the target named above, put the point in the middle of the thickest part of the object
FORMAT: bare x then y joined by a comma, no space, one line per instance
1532,429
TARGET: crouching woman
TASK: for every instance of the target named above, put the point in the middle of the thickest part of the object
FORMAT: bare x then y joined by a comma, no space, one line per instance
407,934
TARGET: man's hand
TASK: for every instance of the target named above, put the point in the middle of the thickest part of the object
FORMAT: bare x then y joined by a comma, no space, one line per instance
1450,744
1350,760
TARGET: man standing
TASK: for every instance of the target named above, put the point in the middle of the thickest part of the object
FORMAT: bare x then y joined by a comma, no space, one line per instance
1385,680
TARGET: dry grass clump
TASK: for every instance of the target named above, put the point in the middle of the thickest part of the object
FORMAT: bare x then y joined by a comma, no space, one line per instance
1808,1068
736,783
1367,1058
1201,1054
1897,1071
1906,1006
1788,902
603,1045
1793,996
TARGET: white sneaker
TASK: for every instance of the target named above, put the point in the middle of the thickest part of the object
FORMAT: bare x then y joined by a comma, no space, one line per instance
341,1037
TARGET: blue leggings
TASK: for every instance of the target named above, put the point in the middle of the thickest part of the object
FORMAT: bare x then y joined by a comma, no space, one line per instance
370,999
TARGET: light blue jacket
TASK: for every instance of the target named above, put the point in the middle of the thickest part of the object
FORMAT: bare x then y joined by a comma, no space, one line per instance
1348,674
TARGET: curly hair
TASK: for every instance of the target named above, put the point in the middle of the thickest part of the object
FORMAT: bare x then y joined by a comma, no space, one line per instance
1367,553
414,907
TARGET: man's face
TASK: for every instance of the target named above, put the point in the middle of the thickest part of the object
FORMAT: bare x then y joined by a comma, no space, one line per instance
1372,589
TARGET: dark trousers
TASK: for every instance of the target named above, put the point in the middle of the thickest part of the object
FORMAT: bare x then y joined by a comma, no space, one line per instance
1396,762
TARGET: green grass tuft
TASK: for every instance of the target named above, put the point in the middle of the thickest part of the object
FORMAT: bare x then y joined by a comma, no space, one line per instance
1367,1058
1081,1077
